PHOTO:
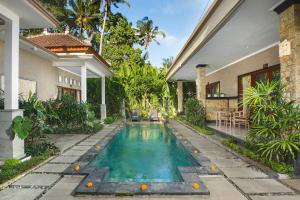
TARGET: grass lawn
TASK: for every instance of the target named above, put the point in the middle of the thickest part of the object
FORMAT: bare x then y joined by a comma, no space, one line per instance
12,169
205,131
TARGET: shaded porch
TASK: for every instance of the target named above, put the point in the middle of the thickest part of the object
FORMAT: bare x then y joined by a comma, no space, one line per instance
238,133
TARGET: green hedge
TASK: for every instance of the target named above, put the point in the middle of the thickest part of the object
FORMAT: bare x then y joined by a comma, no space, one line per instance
195,112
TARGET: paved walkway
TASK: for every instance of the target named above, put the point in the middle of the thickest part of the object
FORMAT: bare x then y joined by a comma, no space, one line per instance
241,181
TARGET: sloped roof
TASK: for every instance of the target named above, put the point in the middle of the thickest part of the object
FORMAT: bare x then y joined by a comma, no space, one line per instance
53,40
66,43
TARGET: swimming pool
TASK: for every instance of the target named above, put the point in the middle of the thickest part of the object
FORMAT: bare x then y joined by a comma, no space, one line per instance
144,153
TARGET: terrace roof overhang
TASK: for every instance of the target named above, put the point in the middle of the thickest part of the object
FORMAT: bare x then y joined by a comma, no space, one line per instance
31,13
229,32
73,63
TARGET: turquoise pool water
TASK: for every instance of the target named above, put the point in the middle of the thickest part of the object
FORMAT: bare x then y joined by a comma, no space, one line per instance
144,153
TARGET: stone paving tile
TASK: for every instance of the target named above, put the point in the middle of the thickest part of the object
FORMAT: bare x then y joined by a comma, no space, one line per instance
220,162
65,141
63,189
219,154
283,197
37,180
221,189
17,194
293,183
243,172
52,168
73,152
80,148
190,177
256,186
65,159
87,143
97,137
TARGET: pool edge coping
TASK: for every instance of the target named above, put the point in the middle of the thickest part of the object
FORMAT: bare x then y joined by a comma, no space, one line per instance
204,168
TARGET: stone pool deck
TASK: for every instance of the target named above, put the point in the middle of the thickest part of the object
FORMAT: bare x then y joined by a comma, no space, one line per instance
240,180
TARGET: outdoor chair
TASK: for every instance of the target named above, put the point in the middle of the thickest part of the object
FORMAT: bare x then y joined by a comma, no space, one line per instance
240,118
223,117
154,116
135,117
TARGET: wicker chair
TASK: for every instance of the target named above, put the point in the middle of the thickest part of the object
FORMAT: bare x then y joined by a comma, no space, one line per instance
240,118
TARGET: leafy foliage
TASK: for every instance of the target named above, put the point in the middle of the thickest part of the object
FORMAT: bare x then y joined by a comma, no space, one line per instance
68,113
275,127
109,120
142,85
147,32
14,169
36,112
195,112
250,152
10,163
21,127
40,149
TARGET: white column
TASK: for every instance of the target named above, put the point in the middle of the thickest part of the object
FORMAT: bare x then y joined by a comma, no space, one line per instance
11,64
180,96
103,105
10,146
83,84
103,90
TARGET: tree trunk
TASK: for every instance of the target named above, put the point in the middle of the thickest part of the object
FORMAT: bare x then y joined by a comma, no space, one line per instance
103,28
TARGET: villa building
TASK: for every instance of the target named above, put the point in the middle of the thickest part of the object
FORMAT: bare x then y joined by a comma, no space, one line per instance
49,65
236,44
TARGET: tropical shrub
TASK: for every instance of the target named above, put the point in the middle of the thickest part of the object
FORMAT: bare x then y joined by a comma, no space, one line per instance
40,149
70,112
195,112
109,120
35,111
275,122
68,115
22,126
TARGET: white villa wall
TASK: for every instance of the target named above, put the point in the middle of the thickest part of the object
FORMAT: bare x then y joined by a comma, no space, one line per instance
228,76
41,71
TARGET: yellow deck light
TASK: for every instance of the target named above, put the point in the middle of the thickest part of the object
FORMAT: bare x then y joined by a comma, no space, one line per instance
144,187
196,186
213,168
89,184
77,168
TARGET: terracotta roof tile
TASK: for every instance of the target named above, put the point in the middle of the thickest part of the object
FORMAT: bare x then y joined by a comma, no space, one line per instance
57,40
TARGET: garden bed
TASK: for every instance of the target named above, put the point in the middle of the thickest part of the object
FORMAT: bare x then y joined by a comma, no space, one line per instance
245,150
12,168
205,131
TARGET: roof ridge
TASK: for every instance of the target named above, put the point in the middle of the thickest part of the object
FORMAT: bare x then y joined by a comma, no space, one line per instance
58,34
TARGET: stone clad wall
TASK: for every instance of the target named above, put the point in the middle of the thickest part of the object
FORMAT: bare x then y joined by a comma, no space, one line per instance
290,65
213,105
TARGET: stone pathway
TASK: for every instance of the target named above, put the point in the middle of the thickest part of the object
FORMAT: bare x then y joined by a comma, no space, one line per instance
241,181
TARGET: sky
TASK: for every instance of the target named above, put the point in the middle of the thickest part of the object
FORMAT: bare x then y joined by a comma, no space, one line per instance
177,18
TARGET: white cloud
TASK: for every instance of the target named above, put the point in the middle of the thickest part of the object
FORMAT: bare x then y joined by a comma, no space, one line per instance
171,41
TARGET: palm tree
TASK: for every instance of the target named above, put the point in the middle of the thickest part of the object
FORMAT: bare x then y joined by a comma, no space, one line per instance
82,16
147,32
107,11
167,62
